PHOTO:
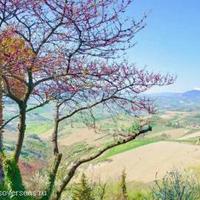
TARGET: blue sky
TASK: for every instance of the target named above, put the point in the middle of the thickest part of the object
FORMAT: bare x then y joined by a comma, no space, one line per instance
170,43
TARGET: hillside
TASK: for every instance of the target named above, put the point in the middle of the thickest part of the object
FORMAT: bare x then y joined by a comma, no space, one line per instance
186,101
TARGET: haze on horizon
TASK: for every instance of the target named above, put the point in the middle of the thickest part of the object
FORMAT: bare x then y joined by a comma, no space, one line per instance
170,41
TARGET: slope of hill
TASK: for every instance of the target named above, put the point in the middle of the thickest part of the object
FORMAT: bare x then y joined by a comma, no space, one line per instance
186,101
192,94
146,163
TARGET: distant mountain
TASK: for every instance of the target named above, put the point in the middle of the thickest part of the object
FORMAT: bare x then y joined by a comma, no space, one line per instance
186,101
192,94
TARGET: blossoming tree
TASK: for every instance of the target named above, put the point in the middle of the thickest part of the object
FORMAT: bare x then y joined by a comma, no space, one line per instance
68,52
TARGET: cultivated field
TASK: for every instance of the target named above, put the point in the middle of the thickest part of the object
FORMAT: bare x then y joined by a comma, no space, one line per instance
173,143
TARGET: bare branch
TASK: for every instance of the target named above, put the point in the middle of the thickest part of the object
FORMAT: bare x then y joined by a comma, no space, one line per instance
28,110
73,169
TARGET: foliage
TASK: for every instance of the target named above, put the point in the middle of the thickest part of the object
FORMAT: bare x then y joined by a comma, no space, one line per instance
124,194
38,182
176,186
13,179
134,127
12,185
14,53
107,191
100,191
83,191
140,195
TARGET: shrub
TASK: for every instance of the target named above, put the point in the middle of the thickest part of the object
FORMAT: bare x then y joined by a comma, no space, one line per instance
176,186
123,186
99,191
140,195
12,182
83,190
13,179
122,193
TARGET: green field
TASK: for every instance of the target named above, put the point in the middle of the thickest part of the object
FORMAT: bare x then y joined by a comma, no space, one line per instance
127,147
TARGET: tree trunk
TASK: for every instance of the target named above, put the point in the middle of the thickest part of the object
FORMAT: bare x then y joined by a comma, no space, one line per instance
52,177
55,138
22,129
57,155
55,131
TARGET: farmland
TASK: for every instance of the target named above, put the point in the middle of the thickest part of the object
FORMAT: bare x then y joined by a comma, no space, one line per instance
176,127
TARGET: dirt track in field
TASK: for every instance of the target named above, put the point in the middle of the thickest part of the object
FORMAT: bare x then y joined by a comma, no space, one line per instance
144,163
173,133
190,136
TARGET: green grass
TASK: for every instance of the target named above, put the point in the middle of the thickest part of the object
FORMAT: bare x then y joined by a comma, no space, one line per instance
38,128
160,128
136,191
127,147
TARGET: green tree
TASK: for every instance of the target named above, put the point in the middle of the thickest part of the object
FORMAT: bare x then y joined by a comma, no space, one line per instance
176,185
123,186
83,190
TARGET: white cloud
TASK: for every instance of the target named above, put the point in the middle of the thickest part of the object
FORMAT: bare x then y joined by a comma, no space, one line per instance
197,88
